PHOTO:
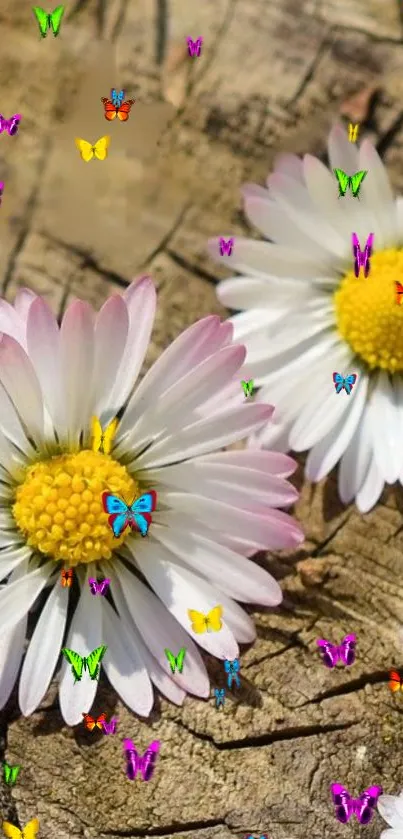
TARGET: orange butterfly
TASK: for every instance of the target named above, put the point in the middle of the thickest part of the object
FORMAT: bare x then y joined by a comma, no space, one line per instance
67,577
399,293
395,682
120,111
90,722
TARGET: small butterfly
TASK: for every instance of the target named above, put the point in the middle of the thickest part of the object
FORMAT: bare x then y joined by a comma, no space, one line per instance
345,652
79,663
91,723
399,293
361,258
137,763
248,387
219,697
28,832
98,588
262,836
88,151
10,773
353,132
206,623
11,125
137,516
102,438
232,669
67,577
362,807
226,246
1,190
347,383
112,111
176,663
110,727
395,681
194,47
352,181
48,21
117,98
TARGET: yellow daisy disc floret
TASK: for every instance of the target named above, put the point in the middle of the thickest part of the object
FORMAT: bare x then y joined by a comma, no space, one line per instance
59,510
368,316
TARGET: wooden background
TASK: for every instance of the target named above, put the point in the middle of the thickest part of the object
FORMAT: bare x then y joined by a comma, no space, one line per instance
273,76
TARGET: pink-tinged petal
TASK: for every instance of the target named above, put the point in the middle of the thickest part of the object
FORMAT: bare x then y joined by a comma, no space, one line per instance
111,331
274,463
22,303
124,666
11,323
11,427
252,258
238,621
43,341
18,377
77,353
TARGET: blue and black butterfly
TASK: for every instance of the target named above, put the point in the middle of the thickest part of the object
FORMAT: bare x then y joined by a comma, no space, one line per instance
137,516
117,98
346,383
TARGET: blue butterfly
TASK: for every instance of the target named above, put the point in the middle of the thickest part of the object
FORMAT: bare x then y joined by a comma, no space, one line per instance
347,383
232,669
262,836
219,696
137,516
117,98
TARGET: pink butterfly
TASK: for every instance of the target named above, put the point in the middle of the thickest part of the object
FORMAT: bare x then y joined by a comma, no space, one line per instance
10,125
363,806
98,588
109,727
332,654
137,763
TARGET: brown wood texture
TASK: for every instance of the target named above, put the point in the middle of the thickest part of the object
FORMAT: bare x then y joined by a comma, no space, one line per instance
272,76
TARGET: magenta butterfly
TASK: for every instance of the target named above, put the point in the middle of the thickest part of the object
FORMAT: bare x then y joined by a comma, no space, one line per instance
1,190
109,727
345,652
194,47
10,125
363,806
361,258
226,246
98,588
137,763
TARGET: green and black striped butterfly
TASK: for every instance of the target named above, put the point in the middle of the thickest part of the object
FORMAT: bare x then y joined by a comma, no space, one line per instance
10,773
91,662
352,181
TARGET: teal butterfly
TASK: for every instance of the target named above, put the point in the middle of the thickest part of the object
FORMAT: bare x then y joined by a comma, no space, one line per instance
352,181
91,663
176,663
10,773
48,21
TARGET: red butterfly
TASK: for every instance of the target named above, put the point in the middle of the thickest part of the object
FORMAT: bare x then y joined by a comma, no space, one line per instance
120,111
90,722
399,293
67,577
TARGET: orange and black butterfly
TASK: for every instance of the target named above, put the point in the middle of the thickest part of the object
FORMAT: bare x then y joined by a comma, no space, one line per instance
67,577
90,722
395,681
399,293
114,107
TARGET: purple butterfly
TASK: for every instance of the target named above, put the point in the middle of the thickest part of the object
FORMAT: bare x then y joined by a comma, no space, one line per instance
10,125
136,763
110,727
194,47
361,258
362,806
1,190
98,588
332,654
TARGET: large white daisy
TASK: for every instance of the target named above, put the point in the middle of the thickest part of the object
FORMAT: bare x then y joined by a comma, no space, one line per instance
305,315
213,510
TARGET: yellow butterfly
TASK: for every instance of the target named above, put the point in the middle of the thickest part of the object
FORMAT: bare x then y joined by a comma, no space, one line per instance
28,832
206,623
88,151
102,439
353,132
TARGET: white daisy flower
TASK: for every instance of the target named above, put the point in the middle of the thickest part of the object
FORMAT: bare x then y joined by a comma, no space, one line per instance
391,810
213,510
305,315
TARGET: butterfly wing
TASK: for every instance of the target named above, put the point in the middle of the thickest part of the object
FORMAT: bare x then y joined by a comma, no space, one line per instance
171,659
180,658
103,586
89,721
399,293
368,254
343,181
14,772
76,661
338,382
101,148
124,110
364,805
31,829
108,435
96,434
147,762
395,682
330,652
85,148
56,19
132,759
42,19
110,110
141,509
93,585
101,720
6,772
356,182
214,622
349,381
118,510
343,803
347,649
13,124
199,621
94,660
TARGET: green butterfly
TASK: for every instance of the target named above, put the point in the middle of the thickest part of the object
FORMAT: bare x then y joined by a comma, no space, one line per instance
248,387
10,773
352,181
178,661
91,663
48,21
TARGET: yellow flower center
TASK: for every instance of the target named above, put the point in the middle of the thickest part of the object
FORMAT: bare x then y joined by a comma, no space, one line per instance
59,510
368,316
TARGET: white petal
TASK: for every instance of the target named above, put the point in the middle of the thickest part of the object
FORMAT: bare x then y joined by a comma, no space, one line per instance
16,598
43,340
385,427
342,153
12,642
371,488
18,377
355,461
77,354
259,258
111,331
12,557
391,809
124,666
380,196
